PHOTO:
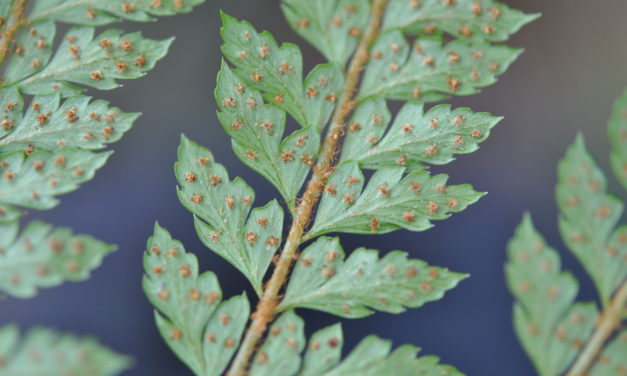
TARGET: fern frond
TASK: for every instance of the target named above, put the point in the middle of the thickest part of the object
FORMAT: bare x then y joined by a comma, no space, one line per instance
352,288
618,138
43,351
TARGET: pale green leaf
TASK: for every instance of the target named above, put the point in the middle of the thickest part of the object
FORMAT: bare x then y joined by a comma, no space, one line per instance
612,360
201,330
32,51
333,27
618,138
9,214
414,137
388,202
5,9
277,72
33,181
479,20
280,353
257,130
43,351
76,123
95,61
99,12
222,207
588,219
355,287
42,256
550,327
430,70
11,105
371,357
324,351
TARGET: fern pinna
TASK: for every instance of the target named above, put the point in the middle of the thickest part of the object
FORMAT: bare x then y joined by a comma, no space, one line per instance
561,335
49,134
321,180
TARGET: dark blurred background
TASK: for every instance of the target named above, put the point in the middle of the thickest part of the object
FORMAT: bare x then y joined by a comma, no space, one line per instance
574,65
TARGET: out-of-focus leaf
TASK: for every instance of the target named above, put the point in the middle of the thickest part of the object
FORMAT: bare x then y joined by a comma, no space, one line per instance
201,330
618,138
222,207
430,70
43,351
477,20
42,256
76,123
388,202
333,27
98,62
277,72
257,130
99,12
355,287
612,360
551,328
588,219
414,137
33,181
280,353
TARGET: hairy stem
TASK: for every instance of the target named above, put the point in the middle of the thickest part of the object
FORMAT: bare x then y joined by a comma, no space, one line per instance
609,321
15,20
264,313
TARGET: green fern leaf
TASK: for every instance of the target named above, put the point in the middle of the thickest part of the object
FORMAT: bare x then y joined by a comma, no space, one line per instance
33,181
98,12
612,360
257,130
478,20
97,62
76,123
45,257
388,202
414,137
222,208
44,351
33,49
203,331
324,351
333,26
277,72
550,327
618,138
430,71
12,104
352,288
588,219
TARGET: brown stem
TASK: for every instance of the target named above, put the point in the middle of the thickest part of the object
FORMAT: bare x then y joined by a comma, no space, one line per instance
609,321
15,20
321,171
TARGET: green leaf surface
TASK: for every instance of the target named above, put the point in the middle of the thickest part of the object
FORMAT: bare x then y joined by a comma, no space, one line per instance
11,105
612,360
431,70
222,207
277,72
551,328
588,217
95,61
32,51
324,351
201,330
76,123
388,202
333,27
414,137
618,138
99,12
257,130
43,351
42,256
478,20
33,181
280,353
354,287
